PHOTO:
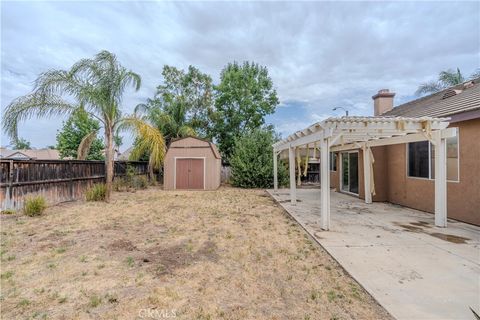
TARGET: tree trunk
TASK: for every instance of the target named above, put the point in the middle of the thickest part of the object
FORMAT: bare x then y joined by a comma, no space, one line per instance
109,162
150,173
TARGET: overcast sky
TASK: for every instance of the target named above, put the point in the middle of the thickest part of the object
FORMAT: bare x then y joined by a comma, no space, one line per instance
319,55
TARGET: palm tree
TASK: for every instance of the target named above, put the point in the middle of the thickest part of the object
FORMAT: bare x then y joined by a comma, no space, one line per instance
170,120
446,78
96,84
149,140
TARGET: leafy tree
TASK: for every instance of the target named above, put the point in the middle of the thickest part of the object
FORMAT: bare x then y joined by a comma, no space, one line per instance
447,78
78,126
244,97
252,160
181,104
20,143
96,85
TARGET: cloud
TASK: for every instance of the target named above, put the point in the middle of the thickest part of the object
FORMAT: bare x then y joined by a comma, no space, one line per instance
320,55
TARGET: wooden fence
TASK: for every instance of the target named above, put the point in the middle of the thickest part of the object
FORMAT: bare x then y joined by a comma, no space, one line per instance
56,180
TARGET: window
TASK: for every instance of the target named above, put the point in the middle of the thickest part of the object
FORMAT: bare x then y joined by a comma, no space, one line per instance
333,161
421,159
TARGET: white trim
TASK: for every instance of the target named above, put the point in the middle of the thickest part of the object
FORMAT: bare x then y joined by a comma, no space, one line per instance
175,170
430,144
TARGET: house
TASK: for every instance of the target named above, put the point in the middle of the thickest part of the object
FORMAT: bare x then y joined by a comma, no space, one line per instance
404,174
393,154
29,154
192,163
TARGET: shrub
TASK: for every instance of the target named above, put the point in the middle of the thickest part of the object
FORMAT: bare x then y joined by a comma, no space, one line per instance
34,206
130,181
8,211
252,161
96,192
119,184
140,182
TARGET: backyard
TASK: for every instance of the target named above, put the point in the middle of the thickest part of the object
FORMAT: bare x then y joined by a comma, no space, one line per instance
225,254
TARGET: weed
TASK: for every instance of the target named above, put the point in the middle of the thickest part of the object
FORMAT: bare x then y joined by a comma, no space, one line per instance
9,211
96,192
51,265
83,259
95,301
61,250
34,206
130,262
62,300
10,258
6,275
24,303
331,295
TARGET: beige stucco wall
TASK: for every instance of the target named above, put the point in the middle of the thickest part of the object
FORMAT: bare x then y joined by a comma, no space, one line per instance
194,148
463,197
393,185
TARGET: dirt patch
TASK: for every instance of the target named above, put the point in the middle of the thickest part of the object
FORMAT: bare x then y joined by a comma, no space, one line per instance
167,260
450,237
122,245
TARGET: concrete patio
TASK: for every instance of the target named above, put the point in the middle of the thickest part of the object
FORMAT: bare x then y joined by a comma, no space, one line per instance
412,268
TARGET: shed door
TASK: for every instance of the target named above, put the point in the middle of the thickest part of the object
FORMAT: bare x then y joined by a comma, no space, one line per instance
189,174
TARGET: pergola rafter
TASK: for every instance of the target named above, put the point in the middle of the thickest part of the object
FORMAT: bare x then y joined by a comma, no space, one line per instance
347,133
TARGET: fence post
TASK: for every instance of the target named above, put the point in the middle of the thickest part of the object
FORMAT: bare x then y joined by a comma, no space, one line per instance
70,176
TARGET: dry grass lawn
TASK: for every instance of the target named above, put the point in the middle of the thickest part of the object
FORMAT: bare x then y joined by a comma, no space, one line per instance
228,254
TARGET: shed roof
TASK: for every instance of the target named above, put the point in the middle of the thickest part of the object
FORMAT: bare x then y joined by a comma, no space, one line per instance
457,99
212,146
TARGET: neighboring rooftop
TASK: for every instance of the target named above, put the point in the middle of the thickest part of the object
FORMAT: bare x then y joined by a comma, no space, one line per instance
461,98
30,154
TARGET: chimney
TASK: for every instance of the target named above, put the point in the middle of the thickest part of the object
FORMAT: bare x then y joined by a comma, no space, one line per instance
383,101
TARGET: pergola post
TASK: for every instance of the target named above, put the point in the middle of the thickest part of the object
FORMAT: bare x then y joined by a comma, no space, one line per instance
325,183
291,167
275,171
367,174
440,179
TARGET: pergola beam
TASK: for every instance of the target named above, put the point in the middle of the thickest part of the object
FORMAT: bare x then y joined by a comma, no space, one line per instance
275,171
291,167
325,183
440,180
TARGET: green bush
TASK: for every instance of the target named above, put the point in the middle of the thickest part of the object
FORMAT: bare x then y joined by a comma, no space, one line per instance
252,161
96,192
34,206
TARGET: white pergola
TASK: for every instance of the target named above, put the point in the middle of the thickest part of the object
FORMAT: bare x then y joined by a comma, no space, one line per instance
347,133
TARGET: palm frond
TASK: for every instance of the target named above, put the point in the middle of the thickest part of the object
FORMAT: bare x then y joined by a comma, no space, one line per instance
185,131
450,77
84,146
429,87
33,105
149,140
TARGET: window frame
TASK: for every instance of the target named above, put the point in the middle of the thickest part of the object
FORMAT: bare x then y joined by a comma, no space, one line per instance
407,160
333,166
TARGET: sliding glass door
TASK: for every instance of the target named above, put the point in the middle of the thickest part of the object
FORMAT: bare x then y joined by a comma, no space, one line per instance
349,178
